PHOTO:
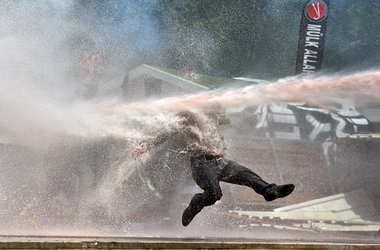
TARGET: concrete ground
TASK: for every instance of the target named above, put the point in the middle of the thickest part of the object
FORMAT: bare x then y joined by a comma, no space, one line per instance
44,242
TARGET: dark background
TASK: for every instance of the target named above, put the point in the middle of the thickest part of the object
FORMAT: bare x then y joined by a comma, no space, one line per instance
256,38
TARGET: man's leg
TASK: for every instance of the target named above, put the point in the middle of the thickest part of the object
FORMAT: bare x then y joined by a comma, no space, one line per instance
236,173
205,174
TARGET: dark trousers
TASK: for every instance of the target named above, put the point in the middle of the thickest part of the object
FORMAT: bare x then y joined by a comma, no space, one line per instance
207,171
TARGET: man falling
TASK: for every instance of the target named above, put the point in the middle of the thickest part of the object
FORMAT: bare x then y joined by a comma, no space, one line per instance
197,138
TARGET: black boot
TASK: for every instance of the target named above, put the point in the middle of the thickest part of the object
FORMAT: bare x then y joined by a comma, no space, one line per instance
273,191
189,214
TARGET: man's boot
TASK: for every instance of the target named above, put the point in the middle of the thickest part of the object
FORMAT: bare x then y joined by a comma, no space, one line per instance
273,191
189,214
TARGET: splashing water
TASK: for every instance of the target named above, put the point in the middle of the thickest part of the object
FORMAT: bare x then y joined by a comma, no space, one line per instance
73,176
362,87
59,189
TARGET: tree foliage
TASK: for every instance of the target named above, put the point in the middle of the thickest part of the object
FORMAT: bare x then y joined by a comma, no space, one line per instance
259,38
256,38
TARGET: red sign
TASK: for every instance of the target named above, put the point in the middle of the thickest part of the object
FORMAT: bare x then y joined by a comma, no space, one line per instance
183,70
316,11
89,66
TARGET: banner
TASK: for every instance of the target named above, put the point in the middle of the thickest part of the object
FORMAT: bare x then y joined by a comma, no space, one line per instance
312,36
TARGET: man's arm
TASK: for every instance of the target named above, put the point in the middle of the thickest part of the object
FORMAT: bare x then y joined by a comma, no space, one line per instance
147,145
